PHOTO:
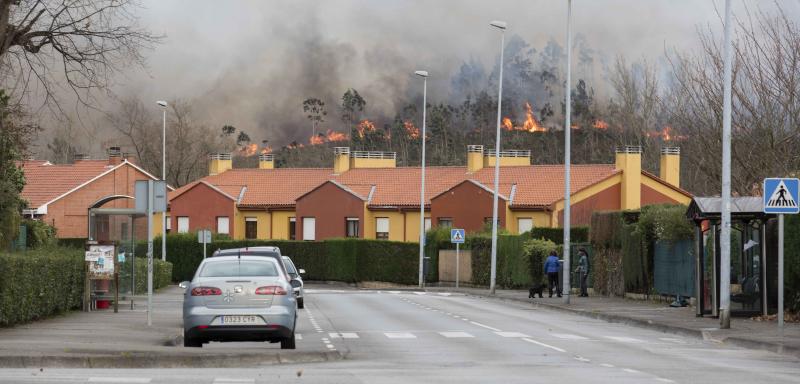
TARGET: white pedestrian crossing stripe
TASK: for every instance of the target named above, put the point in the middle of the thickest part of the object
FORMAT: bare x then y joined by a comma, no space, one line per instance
623,339
455,335
343,335
400,335
511,334
567,336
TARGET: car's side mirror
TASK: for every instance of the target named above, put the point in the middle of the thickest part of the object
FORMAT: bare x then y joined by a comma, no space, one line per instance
296,283
184,284
301,271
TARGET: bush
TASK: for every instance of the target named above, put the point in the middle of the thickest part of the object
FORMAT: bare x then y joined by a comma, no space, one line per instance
162,273
40,283
556,235
536,252
791,263
513,266
73,242
40,234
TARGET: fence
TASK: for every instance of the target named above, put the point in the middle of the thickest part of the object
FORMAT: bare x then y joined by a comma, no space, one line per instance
674,267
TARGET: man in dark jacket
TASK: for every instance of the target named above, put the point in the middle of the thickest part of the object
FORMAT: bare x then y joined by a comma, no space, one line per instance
551,267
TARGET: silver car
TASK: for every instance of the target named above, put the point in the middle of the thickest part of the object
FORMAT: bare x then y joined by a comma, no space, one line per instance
295,274
239,298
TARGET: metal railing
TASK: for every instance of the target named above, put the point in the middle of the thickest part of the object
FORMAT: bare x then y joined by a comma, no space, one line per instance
671,150
266,157
628,149
220,156
341,150
475,148
508,153
373,155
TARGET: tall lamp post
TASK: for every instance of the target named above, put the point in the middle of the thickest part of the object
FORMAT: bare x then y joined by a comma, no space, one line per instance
725,231
566,287
424,75
163,105
501,25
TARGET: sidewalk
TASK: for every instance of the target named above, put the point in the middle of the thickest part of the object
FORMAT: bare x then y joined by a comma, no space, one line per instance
744,332
104,339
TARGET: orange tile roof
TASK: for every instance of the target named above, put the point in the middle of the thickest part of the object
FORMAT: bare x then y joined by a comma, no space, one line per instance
536,185
45,181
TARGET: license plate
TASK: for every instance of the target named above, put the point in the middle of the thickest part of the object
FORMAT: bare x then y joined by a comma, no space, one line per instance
230,320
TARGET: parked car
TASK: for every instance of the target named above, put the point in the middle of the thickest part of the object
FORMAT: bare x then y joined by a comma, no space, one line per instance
265,251
239,298
295,273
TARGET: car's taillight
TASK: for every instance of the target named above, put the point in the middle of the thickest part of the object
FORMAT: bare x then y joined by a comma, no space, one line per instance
270,290
206,291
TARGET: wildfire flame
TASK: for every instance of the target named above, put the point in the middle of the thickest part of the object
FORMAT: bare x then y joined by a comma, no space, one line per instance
666,134
266,150
249,150
335,136
600,124
295,145
413,132
530,124
364,127
317,139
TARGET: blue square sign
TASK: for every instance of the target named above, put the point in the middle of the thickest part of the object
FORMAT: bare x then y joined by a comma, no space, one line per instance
457,236
781,195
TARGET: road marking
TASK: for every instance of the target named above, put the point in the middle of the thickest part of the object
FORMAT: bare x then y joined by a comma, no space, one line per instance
455,334
567,336
511,334
119,379
606,365
485,326
298,336
445,294
420,293
672,340
624,339
663,380
544,345
343,335
399,335
330,346
220,380
581,359
630,370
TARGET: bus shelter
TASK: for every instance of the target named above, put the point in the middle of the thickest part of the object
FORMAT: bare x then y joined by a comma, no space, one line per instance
748,259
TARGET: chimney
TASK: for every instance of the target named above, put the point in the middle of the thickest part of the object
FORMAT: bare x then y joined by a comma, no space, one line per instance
341,160
474,158
114,156
266,161
129,156
372,159
670,167
509,157
629,161
80,157
218,163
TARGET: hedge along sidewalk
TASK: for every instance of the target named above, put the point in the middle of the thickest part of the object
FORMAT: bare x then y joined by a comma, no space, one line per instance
104,339
744,333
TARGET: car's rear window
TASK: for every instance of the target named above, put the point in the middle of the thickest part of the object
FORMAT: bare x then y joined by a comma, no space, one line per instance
289,266
233,268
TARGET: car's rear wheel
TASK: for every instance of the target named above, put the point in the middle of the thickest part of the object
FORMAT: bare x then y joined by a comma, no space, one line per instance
288,342
192,342
300,303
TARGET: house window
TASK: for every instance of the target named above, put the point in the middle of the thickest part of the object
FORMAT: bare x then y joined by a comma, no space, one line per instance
446,222
183,224
351,227
427,224
169,224
292,228
382,228
309,228
250,228
524,224
223,225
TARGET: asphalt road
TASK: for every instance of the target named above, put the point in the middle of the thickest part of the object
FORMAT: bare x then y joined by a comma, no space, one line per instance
411,337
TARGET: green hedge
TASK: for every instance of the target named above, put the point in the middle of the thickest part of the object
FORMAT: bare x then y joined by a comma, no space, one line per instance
556,235
162,273
348,260
39,283
536,251
72,242
512,264
791,263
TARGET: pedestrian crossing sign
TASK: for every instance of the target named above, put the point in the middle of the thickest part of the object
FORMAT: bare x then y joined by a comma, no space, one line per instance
781,195
457,236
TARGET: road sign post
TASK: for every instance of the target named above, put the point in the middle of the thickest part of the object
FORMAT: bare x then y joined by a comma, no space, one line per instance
204,237
781,197
457,237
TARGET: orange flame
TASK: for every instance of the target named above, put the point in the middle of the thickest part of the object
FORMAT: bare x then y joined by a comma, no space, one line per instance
507,124
317,139
600,124
335,136
266,150
530,124
249,150
365,126
413,132
666,134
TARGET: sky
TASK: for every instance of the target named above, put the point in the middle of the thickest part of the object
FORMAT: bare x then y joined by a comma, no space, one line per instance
250,64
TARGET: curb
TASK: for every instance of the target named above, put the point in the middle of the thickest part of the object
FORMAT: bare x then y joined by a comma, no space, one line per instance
139,360
649,324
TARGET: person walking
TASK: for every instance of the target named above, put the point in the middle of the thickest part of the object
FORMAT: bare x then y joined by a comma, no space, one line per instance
583,270
551,266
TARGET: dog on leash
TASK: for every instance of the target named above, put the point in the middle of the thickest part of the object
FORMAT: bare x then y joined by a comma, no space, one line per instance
536,289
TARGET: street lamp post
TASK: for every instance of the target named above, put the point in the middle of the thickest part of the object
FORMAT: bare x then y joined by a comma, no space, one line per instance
501,25
163,105
725,231
424,75
566,288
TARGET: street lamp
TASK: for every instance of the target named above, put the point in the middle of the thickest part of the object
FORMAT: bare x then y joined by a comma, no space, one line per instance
725,211
565,287
424,75
501,25
163,105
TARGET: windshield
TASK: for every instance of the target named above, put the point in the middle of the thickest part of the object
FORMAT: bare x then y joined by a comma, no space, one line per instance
232,268
290,266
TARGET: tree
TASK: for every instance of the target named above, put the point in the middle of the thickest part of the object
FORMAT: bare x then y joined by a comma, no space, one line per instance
352,105
315,111
86,40
15,136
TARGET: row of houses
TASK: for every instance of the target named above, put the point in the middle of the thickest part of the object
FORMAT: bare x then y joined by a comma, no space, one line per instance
362,195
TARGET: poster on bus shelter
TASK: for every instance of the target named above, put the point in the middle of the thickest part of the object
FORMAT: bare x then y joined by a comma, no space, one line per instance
101,261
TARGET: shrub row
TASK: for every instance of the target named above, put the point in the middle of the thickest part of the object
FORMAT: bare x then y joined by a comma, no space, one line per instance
556,235
162,273
791,262
39,283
